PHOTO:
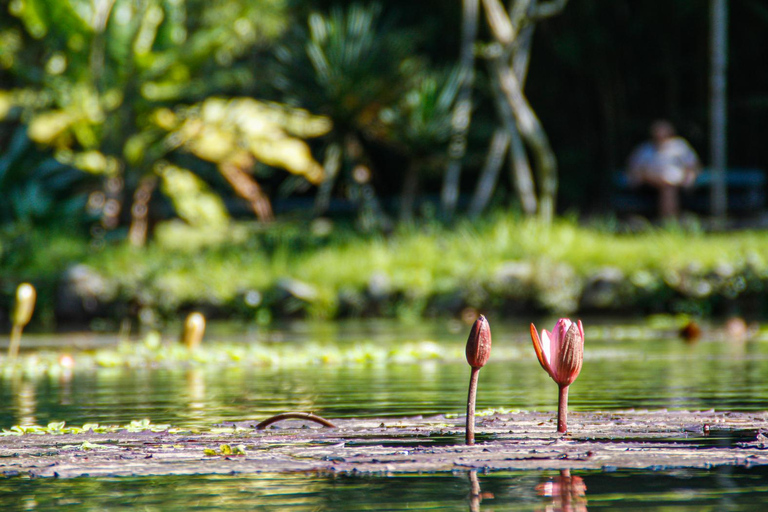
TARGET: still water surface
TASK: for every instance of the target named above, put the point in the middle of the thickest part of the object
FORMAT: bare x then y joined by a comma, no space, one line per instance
625,367
688,490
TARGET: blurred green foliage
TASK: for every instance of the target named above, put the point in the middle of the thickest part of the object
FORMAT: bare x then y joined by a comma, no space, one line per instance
103,102
89,81
92,80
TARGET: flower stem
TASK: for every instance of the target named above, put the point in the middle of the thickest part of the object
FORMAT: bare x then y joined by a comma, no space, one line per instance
471,405
13,346
562,410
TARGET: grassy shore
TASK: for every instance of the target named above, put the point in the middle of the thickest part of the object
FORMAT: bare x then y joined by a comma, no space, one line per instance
501,263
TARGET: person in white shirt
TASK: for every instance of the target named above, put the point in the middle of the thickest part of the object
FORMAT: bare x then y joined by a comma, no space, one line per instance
666,162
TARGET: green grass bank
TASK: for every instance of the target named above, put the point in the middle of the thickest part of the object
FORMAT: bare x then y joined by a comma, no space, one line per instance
502,263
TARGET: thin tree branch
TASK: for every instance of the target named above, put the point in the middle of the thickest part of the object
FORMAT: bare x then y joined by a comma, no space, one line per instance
548,9
533,134
462,112
522,177
245,186
490,173
519,11
499,21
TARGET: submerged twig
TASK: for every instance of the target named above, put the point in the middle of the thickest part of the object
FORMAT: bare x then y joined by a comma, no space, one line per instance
294,416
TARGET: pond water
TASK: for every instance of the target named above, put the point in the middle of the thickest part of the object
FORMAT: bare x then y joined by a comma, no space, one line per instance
722,489
625,367
630,365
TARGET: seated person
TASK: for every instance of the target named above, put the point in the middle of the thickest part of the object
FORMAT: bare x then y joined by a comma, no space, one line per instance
666,162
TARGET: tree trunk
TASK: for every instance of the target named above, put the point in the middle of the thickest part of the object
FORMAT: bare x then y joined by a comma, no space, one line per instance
718,113
533,134
462,111
137,233
490,173
521,167
522,177
512,32
332,164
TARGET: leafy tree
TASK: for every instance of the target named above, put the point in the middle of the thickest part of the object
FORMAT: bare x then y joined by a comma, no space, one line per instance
92,78
347,66
420,126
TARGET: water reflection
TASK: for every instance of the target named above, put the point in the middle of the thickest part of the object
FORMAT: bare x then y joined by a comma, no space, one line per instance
736,489
644,373
476,496
196,395
24,400
564,493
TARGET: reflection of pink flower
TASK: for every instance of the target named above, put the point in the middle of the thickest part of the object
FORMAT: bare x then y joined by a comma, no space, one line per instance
566,493
66,361
560,352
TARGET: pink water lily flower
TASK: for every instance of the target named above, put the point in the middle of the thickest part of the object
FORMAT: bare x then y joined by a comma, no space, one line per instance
561,354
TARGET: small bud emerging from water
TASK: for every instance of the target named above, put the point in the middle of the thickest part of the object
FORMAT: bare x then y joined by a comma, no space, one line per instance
561,354
478,351
194,329
479,343
22,314
25,304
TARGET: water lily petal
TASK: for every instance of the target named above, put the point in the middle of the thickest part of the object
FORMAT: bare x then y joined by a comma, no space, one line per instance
571,356
540,348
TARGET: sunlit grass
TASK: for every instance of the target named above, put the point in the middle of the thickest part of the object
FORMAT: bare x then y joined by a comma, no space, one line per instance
413,263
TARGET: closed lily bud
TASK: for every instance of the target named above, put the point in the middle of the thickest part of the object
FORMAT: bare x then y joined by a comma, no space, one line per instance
560,352
22,314
479,343
194,329
25,304
478,352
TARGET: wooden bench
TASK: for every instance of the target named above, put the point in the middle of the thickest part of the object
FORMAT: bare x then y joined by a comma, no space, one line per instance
746,193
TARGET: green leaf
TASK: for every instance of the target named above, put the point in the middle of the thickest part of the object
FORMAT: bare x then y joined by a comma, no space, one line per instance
89,446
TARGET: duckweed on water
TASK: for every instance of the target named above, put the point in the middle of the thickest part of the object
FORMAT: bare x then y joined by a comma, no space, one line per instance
226,450
60,428
161,355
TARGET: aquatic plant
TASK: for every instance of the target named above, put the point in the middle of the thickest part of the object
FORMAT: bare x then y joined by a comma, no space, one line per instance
561,354
478,352
226,450
22,314
194,329
60,428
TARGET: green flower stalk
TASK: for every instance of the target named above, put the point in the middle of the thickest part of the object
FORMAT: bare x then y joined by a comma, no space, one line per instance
22,314
478,352
561,354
